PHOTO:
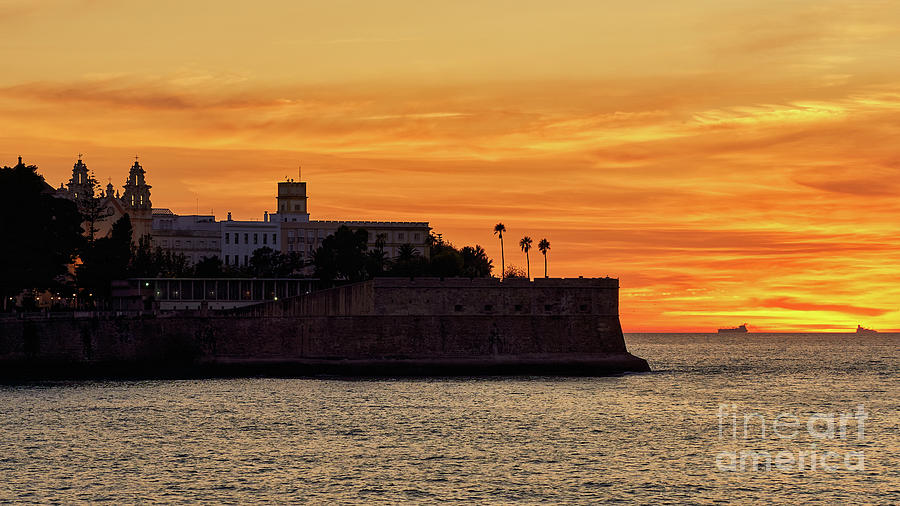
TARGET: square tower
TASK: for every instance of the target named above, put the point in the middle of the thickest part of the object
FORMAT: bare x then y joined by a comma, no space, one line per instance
292,201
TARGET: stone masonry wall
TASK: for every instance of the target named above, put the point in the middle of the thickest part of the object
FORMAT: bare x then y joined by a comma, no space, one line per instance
379,319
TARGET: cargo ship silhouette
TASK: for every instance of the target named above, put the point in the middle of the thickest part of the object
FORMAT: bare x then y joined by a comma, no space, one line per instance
862,330
742,329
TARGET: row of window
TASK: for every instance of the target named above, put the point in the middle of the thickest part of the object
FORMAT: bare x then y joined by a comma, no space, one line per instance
233,260
256,238
201,244
310,234
235,238
299,248
401,236
292,240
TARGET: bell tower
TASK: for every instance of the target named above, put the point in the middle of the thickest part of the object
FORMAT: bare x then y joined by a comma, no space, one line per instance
136,201
81,185
137,191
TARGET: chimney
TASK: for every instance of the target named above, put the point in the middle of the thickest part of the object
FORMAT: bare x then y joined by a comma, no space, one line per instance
266,217
229,215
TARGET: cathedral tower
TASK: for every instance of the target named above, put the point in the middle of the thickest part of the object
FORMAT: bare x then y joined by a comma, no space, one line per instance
81,186
136,201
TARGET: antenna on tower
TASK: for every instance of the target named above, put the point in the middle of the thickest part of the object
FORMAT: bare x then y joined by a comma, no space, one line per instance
299,168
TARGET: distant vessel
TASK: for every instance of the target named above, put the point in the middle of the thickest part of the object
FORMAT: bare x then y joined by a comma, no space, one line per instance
862,330
735,330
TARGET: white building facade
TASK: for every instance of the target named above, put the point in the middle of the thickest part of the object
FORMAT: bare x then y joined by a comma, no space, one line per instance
289,230
241,238
194,236
304,236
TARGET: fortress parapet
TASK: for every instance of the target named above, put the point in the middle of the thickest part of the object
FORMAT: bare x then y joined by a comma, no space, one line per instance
452,296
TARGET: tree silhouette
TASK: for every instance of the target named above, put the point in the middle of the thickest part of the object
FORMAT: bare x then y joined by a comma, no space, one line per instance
514,271
106,259
406,253
93,211
376,259
210,267
525,244
342,256
40,232
476,263
544,247
498,230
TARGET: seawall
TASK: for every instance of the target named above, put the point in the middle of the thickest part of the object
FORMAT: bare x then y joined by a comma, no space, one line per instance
385,326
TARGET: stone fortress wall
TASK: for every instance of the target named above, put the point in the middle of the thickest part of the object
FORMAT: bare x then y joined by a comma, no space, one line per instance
384,326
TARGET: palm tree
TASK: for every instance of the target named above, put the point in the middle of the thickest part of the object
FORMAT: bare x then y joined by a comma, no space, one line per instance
544,246
525,244
499,229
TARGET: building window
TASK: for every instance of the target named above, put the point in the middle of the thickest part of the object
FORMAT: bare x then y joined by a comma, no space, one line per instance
265,239
255,238
400,236
583,308
226,238
518,307
246,238
488,307
274,238
165,243
246,260
458,308
290,234
417,236
227,260
177,244
296,207
187,244
548,307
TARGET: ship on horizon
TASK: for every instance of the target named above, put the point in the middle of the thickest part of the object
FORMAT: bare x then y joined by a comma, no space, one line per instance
740,329
862,330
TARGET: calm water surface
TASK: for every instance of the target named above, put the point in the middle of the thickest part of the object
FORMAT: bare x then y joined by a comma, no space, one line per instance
648,438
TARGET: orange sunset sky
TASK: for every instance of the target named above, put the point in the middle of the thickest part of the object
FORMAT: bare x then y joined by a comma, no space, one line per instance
729,161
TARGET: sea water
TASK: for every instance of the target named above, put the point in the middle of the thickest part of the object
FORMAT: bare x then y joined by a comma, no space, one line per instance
720,419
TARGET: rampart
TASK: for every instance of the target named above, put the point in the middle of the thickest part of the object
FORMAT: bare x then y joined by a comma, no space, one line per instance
386,326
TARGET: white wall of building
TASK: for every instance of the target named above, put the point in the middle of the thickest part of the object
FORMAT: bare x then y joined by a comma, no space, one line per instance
241,238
